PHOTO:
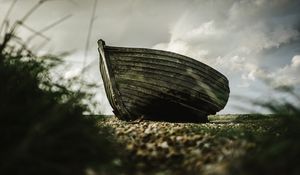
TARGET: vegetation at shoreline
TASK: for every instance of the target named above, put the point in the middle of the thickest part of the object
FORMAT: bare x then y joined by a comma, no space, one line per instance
42,126
43,130
277,151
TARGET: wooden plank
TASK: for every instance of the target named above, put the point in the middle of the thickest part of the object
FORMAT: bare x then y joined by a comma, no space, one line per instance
164,60
141,81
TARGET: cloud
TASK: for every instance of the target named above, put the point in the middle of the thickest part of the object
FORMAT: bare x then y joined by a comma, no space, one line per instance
235,39
233,36
206,29
262,36
184,38
288,75
296,62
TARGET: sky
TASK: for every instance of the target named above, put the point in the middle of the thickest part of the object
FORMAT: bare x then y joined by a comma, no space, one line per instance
255,43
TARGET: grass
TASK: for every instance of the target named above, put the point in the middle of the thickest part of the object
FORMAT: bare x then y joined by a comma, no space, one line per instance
42,126
43,130
277,151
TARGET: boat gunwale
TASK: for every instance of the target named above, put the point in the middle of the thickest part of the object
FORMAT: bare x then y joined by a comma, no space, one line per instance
115,94
172,65
165,53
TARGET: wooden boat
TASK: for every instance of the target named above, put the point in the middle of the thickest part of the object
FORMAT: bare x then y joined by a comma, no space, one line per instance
160,85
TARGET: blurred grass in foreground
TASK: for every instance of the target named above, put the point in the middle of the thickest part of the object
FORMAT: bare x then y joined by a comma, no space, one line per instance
43,129
42,126
277,151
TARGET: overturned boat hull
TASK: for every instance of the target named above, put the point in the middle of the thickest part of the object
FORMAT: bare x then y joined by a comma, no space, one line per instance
160,85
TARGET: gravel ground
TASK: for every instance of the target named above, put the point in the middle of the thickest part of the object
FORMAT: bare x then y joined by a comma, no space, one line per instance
183,148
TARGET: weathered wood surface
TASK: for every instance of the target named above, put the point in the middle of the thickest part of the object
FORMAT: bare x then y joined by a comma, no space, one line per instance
146,82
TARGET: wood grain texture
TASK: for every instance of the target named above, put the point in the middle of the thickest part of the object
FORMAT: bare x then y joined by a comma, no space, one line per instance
147,82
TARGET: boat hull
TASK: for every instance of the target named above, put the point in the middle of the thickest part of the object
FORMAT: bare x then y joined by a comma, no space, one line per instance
160,85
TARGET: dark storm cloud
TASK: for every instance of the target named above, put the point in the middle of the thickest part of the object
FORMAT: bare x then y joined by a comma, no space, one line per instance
234,35
248,40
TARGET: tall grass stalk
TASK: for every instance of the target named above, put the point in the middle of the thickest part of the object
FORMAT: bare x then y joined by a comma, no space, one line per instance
42,126
88,38
277,152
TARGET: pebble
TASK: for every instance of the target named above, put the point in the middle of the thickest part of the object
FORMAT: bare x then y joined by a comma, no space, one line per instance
189,147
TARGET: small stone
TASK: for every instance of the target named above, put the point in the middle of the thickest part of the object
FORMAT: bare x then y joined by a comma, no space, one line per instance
148,130
196,152
164,144
206,145
179,138
129,146
150,145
